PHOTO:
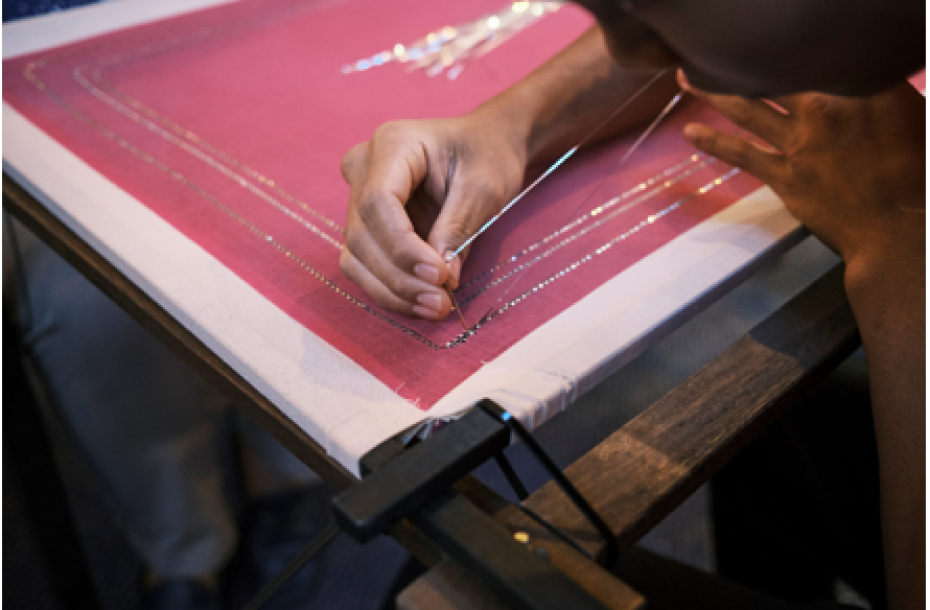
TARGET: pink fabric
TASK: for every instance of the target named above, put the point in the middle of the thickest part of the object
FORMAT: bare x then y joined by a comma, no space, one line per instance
919,81
230,122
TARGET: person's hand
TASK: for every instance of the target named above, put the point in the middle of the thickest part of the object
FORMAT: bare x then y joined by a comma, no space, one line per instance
419,190
850,169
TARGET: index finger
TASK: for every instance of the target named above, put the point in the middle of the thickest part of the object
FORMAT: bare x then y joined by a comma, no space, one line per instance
754,115
396,167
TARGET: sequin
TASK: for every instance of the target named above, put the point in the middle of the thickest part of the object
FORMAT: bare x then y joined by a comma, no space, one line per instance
601,209
165,132
448,50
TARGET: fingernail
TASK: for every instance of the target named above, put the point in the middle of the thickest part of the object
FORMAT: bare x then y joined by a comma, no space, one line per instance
692,131
431,300
424,312
426,272
455,264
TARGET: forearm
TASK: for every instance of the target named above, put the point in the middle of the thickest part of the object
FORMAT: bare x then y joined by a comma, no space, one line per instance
550,110
886,287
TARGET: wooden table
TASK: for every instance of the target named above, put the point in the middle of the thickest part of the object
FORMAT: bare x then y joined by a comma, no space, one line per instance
634,478
644,470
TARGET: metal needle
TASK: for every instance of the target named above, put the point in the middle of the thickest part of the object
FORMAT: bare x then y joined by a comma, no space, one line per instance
568,155
456,307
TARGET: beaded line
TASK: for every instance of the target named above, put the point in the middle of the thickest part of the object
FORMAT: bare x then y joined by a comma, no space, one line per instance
158,130
568,240
190,135
450,48
78,74
607,246
29,73
181,131
650,219
601,209
206,33
101,82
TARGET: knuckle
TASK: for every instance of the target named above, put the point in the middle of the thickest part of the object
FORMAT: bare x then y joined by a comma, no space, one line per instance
738,155
802,176
367,206
354,241
493,191
351,161
395,284
401,251
823,109
391,130
739,109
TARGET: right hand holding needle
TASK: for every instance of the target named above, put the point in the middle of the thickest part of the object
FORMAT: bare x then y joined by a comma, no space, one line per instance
419,189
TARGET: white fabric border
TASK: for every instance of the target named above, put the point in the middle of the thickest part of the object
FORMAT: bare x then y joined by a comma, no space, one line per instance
561,360
316,386
334,400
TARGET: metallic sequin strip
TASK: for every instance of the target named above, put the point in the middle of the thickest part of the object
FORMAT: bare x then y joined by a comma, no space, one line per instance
664,175
204,34
29,73
100,81
449,48
191,136
132,114
238,179
467,299
185,146
607,246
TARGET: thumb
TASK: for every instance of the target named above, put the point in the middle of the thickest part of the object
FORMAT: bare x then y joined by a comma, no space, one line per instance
447,235
465,211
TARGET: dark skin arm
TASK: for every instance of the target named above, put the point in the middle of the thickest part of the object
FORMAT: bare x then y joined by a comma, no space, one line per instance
852,170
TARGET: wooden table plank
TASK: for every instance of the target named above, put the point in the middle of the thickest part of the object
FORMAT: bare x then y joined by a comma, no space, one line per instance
172,333
450,586
639,474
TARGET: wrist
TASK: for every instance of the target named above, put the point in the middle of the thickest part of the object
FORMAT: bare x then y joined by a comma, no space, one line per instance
889,256
505,123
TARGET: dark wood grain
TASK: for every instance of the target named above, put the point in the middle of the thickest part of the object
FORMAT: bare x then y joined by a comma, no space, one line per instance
634,478
163,326
639,474
450,586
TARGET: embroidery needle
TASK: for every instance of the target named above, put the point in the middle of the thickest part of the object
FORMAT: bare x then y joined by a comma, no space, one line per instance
456,307
568,155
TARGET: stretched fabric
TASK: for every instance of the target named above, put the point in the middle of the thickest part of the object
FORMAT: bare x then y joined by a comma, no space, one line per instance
230,123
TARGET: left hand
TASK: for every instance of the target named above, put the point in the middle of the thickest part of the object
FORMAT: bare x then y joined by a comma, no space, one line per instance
850,169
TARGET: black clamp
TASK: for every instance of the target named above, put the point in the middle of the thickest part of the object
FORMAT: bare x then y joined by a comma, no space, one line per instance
399,481
414,482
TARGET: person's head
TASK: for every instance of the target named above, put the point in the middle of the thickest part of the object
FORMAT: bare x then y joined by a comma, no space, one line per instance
769,47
